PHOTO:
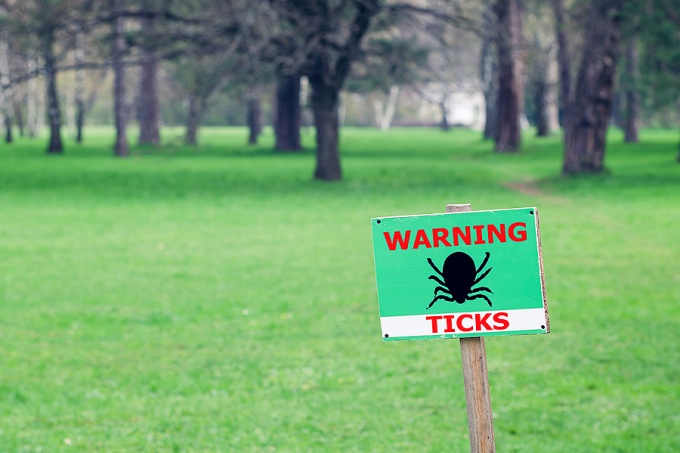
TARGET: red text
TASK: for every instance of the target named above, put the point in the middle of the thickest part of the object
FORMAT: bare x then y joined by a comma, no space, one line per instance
469,322
456,236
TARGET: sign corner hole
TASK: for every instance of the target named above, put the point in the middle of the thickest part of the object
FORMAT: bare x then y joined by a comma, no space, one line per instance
387,335
543,327
378,221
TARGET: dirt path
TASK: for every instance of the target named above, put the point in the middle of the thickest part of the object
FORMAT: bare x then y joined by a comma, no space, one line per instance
529,188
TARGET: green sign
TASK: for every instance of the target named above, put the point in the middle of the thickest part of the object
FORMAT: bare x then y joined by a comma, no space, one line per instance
457,275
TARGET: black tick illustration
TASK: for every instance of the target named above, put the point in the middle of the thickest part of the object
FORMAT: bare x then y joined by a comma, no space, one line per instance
460,275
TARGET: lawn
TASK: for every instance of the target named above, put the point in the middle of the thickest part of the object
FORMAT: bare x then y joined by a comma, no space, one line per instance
219,299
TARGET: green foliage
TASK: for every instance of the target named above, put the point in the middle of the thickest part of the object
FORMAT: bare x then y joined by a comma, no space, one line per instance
217,299
657,23
389,61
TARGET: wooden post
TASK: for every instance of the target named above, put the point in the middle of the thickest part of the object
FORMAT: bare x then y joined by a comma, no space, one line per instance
476,379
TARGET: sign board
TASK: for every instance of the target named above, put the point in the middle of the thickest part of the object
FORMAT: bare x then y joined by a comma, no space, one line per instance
468,274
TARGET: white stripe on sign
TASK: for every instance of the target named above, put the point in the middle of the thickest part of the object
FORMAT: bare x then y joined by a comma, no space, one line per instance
463,323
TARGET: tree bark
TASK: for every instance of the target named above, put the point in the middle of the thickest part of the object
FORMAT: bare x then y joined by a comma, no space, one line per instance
121,148
55,145
19,117
541,105
32,95
79,100
325,100
254,118
585,140
444,124
148,92
510,85
287,115
5,86
563,63
632,120
194,114
489,76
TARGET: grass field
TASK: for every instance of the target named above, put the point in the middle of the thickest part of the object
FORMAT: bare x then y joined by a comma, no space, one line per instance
218,299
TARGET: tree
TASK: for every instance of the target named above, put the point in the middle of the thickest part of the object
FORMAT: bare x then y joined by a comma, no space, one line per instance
40,23
510,70
541,84
395,57
322,39
47,43
632,113
488,72
79,54
254,116
199,76
118,48
585,140
563,61
148,89
659,37
5,85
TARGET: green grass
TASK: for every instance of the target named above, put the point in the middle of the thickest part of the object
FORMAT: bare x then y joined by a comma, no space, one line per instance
218,299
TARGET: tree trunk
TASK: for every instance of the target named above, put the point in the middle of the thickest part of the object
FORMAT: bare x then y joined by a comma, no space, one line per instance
563,63
325,100
80,119
585,140
195,111
552,94
287,115
8,129
5,86
510,84
632,120
541,105
32,95
444,124
489,77
121,148
385,112
53,111
19,117
79,87
148,92
254,118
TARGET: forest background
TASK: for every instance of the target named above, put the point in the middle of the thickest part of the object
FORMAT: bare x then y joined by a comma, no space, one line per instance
497,66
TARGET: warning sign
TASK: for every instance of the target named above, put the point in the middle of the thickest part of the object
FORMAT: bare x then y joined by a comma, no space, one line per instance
460,275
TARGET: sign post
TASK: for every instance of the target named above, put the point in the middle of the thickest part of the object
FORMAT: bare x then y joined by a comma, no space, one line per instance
476,381
464,274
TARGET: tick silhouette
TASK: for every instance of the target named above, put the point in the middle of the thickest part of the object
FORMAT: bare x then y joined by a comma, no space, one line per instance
460,275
